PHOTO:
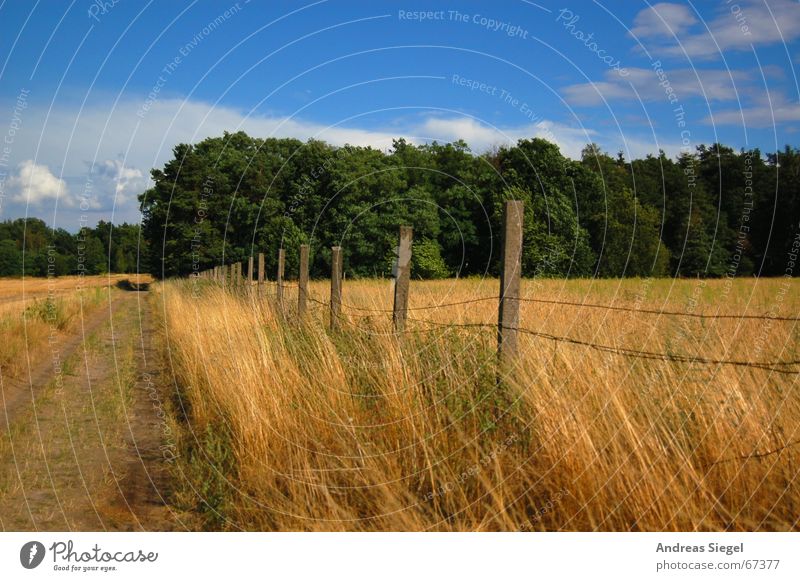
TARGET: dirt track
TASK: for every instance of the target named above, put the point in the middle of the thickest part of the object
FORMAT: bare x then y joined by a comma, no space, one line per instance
83,444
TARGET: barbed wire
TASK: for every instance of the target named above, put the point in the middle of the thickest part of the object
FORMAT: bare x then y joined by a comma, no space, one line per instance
774,366
313,300
421,308
588,305
754,455
658,311
781,367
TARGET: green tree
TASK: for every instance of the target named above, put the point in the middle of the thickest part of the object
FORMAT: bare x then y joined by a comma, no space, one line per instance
10,258
426,261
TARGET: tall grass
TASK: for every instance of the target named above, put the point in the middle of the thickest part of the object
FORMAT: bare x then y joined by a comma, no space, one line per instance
296,427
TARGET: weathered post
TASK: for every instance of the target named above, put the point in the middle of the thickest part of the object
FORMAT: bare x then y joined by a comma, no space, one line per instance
224,275
279,278
302,282
401,278
508,317
250,273
336,285
260,273
237,275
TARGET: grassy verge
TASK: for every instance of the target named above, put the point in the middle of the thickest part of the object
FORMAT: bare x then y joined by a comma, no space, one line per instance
296,427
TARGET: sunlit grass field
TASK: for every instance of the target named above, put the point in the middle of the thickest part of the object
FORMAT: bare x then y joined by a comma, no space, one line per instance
290,425
35,311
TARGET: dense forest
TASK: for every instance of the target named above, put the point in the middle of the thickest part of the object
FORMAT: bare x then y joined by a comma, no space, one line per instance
710,212
55,252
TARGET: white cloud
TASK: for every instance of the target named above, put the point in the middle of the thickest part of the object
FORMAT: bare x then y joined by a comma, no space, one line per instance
111,175
34,183
481,136
736,26
663,19
765,112
711,85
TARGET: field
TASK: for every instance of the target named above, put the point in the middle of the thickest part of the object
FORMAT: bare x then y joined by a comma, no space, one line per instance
16,289
604,423
17,293
643,404
36,310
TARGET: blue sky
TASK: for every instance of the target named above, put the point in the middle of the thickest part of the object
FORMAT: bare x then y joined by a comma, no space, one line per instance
93,94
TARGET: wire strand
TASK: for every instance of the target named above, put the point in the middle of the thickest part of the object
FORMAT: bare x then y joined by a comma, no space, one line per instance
776,366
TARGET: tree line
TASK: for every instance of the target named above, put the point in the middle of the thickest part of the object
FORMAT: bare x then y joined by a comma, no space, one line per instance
710,212
29,246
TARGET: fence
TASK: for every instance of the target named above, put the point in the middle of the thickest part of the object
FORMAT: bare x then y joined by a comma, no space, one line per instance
509,299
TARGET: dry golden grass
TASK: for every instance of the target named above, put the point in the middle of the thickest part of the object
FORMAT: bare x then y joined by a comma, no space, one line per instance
35,311
301,428
13,290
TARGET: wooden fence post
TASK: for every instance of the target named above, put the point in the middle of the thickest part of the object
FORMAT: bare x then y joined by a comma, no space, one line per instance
250,273
302,282
508,316
336,285
279,278
238,275
401,278
260,273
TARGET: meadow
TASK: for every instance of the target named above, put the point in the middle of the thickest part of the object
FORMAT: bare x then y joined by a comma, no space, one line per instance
289,425
35,311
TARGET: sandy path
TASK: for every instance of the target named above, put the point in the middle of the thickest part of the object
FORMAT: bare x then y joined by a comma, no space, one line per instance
18,394
87,449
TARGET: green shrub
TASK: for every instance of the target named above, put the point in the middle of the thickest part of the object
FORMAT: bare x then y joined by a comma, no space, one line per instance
50,311
427,261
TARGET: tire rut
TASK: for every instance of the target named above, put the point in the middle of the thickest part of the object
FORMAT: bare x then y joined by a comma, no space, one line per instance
91,451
